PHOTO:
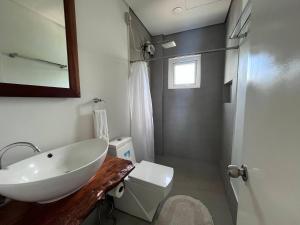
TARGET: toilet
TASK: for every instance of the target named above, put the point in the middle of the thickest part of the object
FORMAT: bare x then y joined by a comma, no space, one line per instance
145,187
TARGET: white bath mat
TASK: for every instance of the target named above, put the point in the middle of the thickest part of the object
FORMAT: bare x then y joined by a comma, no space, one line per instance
184,210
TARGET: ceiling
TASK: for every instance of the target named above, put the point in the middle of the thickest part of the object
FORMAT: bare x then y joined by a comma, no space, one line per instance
159,16
50,9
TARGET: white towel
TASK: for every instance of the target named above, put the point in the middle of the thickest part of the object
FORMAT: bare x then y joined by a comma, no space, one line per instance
100,124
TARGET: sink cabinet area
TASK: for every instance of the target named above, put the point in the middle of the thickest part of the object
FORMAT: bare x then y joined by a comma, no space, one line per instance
74,209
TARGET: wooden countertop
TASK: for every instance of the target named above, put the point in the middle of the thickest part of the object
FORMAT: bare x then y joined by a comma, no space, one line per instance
73,209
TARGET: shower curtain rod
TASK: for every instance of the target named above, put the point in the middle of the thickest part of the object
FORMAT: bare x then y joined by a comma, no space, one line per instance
194,53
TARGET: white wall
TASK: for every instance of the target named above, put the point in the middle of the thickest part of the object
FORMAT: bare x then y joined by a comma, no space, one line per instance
103,61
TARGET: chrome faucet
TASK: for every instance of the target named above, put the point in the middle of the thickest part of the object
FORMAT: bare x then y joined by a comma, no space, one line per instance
3,200
17,144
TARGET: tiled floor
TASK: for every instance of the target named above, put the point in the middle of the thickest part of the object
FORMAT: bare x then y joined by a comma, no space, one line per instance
199,180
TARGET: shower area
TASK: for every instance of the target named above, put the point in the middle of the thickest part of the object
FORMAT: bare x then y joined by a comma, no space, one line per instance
187,121
187,112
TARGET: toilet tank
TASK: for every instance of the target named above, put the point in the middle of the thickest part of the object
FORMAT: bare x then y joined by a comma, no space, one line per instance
122,148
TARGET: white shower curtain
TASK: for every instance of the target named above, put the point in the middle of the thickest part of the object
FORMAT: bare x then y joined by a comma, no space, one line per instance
141,112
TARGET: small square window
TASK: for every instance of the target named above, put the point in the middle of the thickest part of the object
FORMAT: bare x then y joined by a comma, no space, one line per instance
185,72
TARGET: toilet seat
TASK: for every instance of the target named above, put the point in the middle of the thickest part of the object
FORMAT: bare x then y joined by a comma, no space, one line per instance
152,174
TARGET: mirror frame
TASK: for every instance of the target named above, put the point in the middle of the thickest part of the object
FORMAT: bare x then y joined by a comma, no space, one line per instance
20,90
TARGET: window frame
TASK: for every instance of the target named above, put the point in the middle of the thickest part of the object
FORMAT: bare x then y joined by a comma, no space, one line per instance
182,60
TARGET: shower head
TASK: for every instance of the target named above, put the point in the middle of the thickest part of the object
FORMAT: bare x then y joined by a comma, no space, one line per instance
149,48
170,44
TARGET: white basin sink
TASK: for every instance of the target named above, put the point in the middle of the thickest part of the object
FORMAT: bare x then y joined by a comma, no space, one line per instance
55,174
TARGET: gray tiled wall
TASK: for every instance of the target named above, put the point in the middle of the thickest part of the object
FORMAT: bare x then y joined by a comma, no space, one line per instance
188,122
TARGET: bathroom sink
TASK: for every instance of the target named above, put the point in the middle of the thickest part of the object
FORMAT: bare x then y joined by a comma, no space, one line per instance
55,174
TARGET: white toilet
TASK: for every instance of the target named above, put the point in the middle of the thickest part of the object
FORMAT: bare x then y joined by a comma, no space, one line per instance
145,187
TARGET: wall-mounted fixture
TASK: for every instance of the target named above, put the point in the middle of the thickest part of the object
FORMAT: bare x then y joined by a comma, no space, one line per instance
241,28
97,100
149,48
169,44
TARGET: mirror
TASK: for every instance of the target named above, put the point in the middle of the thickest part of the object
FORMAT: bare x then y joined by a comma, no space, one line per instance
38,48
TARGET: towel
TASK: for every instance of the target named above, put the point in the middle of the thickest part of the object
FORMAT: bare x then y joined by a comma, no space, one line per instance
100,124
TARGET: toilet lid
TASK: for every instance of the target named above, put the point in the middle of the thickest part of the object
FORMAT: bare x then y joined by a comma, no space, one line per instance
152,173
